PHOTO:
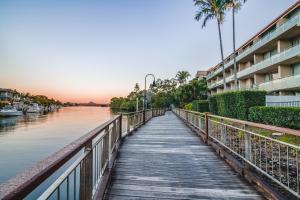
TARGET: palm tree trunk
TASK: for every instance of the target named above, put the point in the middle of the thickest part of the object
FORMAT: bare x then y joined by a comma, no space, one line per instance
234,54
222,54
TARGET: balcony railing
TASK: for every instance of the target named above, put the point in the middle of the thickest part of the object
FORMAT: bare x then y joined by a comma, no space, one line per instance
276,59
251,144
282,83
294,21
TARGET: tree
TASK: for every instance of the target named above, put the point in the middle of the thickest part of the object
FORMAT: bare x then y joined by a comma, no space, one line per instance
235,5
209,10
182,77
136,88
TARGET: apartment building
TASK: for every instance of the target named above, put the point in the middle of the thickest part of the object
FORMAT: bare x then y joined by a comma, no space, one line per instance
201,74
269,61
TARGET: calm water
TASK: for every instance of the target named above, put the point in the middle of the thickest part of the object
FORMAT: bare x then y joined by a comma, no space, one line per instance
25,140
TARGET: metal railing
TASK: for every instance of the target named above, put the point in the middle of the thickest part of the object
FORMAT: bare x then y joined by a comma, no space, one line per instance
291,52
133,120
254,144
86,163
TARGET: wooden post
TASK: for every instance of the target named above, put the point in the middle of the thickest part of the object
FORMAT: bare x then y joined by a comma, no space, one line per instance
206,128
128,125
120,126
86,174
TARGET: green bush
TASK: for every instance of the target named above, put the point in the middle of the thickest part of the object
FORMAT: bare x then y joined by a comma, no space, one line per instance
278,116
236,104
212,103
200,106
188,106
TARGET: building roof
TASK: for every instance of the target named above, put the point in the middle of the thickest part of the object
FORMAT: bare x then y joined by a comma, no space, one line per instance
261,32
201,73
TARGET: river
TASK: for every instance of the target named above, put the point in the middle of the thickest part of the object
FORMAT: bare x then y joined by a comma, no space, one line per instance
25,140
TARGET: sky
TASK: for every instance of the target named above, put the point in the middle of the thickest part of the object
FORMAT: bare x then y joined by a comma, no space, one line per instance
92,50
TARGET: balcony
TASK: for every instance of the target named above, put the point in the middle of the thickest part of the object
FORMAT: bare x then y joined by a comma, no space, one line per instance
216,84
228,79
281,84
276,59
294,21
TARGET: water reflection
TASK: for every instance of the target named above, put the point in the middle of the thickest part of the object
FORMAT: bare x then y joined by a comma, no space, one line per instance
8,124
25,140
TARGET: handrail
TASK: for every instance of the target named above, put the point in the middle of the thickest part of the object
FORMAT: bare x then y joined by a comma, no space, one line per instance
18,186
249,142
97,151
262,126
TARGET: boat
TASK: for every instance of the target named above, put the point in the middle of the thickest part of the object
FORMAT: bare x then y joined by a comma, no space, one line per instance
34,108
10,111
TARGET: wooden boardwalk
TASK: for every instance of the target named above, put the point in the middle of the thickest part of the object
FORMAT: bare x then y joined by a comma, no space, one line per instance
165,160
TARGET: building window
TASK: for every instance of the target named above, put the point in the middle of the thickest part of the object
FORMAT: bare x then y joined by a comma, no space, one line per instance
296,69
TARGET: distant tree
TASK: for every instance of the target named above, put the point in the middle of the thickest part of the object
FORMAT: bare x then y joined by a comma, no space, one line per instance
235,5
213,9
136,88
182,77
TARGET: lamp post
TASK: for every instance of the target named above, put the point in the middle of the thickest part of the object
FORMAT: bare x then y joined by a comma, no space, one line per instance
145,93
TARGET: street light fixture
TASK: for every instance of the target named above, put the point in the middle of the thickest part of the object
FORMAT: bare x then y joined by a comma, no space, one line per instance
145,93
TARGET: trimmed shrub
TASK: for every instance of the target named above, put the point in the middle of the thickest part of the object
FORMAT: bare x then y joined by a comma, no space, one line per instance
236,104
288,117
200,106
212,103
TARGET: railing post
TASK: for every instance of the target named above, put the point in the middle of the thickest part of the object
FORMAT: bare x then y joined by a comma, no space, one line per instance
120,126
134,121
110,137
86,174
206,128
247,137
128,125
223,132
186,116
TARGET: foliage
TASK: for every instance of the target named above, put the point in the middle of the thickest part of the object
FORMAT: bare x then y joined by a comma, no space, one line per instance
160,100
212,103
188,106
210,9
200,106
236,104
175,91
194,90
182,77
278,116
27,98
43,100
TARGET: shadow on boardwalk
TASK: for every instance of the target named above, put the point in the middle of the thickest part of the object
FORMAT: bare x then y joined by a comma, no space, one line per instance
165,160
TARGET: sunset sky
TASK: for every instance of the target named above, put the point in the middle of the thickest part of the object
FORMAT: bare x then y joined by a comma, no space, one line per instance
80,51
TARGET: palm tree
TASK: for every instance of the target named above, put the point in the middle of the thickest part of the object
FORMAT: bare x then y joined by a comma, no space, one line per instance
235,5
213,9
182,76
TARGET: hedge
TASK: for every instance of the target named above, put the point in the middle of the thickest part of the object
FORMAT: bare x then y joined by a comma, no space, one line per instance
212,103
200,106
288,117
236,104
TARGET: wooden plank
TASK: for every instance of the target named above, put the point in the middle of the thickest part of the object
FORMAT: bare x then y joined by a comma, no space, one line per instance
165,160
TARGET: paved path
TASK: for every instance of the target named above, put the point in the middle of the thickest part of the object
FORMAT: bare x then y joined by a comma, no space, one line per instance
165,160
